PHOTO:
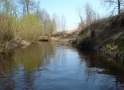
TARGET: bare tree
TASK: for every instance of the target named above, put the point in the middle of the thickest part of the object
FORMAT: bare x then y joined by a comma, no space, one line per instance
117,4
89,12
54,21
7,6
38,10
89,16
63,23
27,5
79,12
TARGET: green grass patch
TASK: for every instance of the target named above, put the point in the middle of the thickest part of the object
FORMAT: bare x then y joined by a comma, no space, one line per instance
81,36
74,45
120,48
109,46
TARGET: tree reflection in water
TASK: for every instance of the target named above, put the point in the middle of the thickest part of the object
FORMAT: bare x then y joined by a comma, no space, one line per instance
55,66
17,68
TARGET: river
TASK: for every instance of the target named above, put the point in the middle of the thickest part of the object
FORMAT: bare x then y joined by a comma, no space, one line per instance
58,66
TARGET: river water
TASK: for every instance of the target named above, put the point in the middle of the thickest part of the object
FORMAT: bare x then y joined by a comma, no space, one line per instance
58,66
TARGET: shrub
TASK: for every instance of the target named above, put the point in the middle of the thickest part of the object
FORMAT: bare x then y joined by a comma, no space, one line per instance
29,29
6,27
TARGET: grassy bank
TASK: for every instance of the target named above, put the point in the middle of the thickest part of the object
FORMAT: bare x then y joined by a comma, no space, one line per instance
105,34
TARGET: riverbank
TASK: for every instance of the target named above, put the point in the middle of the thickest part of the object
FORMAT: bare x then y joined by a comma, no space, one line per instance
13,44
102,35
64,36
16,42
105,35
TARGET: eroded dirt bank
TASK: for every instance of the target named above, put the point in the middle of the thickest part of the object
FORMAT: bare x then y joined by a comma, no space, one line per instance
106,35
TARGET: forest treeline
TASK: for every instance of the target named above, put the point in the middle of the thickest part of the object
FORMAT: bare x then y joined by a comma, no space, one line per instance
24,19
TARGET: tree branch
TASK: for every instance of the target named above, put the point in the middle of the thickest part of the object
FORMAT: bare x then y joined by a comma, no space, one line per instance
110,1
114,10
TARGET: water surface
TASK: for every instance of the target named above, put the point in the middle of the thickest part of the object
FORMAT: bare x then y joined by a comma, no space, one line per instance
58,66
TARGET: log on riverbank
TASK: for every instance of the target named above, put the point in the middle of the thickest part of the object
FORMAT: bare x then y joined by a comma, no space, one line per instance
44,38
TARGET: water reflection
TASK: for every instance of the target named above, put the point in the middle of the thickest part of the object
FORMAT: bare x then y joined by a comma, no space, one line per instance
34,55
109,73
17,68
58,66
6,62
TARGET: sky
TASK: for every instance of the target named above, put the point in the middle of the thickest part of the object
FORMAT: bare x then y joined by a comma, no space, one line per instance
67,8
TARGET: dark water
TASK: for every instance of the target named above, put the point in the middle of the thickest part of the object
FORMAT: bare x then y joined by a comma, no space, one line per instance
57,66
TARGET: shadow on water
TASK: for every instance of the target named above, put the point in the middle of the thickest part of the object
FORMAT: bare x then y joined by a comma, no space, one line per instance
110,66
6,64
53,66
102,65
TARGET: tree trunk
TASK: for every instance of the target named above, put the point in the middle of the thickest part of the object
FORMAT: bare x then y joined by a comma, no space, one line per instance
27,7
119,2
